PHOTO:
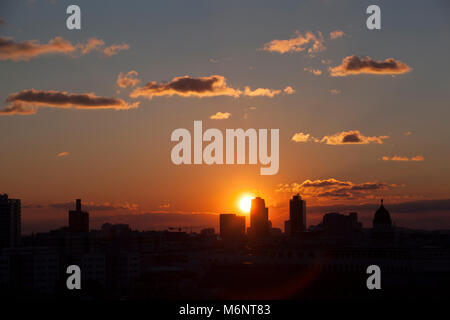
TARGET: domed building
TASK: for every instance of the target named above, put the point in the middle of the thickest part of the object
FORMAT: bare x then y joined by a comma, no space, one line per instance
382,224
382,219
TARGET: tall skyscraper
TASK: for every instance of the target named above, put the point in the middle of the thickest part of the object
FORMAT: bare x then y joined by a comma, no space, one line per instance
10,223
259,219
78,219
232,227
297,215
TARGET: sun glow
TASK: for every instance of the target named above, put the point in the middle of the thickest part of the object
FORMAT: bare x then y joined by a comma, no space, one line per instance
245,203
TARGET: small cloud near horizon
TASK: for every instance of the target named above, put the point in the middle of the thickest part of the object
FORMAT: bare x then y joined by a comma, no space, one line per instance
308,41
336,34
353,65
335,91
316,72
29,49
418,158
127,80
62,154
220,116
201,87
334,188
27,102
340,138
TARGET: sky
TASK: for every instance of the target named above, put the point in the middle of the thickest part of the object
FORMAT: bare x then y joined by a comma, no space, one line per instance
362,114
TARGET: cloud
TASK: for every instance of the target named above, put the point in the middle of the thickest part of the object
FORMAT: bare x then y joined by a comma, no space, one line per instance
26,50
353,65
220,116
340,138
403,158
303,137
115,48
315,72
105,206
91,45
27,101
187,86
414,206
351,137
289,90
336,34
335,91
95,44
16,51
209,86
298,43
264,92
261,92
127,80
334,188
62,154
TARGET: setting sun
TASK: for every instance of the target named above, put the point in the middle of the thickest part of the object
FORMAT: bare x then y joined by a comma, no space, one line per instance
245,203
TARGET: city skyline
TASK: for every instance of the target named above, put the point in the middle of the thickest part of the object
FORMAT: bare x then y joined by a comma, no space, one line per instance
89,113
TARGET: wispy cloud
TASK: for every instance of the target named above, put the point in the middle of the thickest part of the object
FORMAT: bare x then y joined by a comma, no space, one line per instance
94,206
334,188
164,206
289,90
353,65
28,101
303,137
127,80
26,50
300,42
316,72
261,92
403,158
16,51
335,91
115,48
220,116
336,34
62,154
209,86
340,138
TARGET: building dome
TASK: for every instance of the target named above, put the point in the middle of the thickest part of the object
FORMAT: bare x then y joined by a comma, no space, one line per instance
382,217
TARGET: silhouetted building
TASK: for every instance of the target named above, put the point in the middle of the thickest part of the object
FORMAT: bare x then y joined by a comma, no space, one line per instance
259,219
78,219
10,224
382,219
209,232
297,215
115,229
382,224
334,223
232,226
